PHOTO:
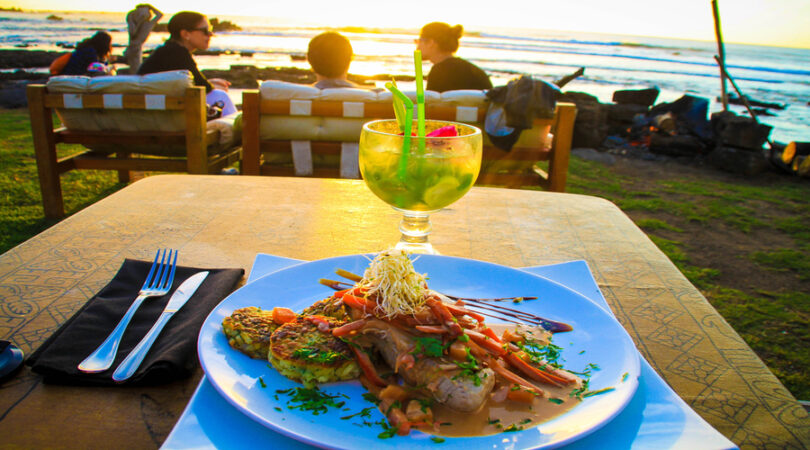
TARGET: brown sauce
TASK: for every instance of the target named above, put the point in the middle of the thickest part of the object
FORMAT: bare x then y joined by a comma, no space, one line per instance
494,417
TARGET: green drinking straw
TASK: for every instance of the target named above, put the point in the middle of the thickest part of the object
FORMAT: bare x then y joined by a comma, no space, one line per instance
420,100
406,138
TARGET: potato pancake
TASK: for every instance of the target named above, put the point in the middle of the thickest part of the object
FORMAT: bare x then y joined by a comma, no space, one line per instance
302,352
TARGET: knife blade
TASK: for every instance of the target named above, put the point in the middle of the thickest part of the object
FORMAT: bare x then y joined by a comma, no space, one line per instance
131,363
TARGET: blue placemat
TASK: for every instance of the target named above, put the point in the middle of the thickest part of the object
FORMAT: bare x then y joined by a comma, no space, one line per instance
656,418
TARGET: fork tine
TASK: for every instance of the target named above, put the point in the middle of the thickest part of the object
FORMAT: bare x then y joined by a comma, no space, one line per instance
170,280
164,269
151,270
161,272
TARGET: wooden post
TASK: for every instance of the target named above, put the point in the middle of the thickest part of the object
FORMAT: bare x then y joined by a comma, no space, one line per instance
251,147
45,152
196,142
736,88
565,115
722,54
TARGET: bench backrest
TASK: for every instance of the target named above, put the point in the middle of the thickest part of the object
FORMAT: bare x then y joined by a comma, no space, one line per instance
302,130
154,104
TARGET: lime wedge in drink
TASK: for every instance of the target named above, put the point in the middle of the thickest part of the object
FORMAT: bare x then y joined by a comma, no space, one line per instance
441,194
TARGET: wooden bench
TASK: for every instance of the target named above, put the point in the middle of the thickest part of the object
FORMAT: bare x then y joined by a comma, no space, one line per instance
193,146
330,126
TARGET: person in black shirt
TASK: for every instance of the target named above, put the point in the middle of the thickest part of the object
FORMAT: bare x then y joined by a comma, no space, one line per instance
95,49
189,31
438,42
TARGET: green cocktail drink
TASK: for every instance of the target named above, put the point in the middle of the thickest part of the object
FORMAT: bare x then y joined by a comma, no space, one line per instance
426,178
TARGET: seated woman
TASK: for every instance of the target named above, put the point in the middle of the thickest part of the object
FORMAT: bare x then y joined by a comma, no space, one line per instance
438,42
330,54
189,31
90,57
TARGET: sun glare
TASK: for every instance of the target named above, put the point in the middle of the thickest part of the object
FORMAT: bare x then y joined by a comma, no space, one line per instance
763,22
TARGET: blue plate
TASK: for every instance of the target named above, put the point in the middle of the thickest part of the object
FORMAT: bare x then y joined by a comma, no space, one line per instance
597,338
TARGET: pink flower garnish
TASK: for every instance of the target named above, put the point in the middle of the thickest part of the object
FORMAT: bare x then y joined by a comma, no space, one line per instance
449,130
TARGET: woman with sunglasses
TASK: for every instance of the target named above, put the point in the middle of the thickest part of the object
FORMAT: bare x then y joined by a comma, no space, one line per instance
189,31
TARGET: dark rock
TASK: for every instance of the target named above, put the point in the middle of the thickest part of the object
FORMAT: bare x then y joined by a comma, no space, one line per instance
21,59
739,131
736,100
739,161
678,145
577,97
644,97
690,113
225,25
590,127
624,113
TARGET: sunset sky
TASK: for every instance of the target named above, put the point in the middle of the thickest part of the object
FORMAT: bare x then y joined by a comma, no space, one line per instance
763,22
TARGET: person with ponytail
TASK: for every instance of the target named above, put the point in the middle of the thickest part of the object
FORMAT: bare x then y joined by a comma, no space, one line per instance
438,42
190,31
90,56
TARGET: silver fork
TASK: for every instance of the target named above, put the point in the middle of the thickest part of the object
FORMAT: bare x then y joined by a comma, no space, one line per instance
158,282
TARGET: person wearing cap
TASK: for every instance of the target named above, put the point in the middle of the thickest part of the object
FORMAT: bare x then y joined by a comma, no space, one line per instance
438,43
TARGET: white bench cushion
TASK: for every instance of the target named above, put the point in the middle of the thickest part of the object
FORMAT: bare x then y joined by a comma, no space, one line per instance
156,86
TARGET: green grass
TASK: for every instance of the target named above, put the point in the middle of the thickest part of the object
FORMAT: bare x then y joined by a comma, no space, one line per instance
20,200
775,324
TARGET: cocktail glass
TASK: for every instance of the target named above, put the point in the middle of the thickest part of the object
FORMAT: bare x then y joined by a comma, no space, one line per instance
426,178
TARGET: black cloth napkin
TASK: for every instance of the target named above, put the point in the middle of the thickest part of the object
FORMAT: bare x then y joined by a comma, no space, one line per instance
173,355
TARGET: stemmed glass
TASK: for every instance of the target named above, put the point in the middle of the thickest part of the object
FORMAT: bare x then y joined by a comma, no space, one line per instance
426,177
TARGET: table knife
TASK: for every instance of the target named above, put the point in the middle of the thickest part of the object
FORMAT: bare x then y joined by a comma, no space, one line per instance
131,363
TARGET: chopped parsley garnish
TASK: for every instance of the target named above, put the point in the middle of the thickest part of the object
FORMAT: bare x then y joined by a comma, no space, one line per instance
463,338
469,368
437,439
580,390
555,400
388,431
369,397
316,355
597,392
311,399
540,355
262,383
512,428
365,412
588,370
428,346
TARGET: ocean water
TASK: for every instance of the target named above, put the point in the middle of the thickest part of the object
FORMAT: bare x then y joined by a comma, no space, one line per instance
611,62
